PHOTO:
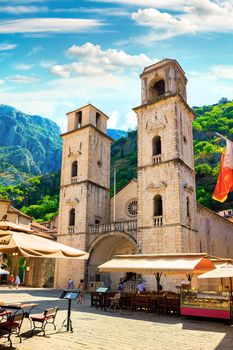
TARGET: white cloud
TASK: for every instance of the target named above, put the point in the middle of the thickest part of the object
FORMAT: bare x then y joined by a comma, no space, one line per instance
48,25
122,122
60,71
34,50
7,47
23,66
22,79
1,81
99,11
113,121
168,4
19,10
55,98
47,63
92,60
222,72
192,17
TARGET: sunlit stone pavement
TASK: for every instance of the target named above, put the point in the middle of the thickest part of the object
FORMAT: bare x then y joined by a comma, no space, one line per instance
94,329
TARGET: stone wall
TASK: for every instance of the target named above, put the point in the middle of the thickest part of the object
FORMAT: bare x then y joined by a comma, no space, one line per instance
215,233
122,199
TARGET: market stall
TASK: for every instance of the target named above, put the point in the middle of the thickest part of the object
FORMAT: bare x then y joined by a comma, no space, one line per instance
205,304
213,304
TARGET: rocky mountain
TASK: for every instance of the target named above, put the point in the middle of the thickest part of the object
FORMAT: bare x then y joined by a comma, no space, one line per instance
30,145
116,134
39,195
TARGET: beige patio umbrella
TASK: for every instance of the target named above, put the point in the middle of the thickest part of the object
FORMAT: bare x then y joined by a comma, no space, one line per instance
29,245
223,271
7,225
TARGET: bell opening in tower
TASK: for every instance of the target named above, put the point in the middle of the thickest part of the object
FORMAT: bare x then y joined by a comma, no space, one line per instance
159,88
78,120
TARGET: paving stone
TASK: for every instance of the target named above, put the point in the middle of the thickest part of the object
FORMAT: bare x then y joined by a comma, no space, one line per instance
98,330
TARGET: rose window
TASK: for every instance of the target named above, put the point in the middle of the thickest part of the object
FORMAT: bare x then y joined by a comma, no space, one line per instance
132,208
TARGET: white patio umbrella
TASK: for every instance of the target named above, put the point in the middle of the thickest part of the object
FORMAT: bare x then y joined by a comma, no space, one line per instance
223,271
4,272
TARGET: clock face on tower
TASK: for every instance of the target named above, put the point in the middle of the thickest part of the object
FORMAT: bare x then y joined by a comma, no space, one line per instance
156,120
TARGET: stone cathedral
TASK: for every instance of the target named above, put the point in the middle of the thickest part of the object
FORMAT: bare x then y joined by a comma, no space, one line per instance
155,213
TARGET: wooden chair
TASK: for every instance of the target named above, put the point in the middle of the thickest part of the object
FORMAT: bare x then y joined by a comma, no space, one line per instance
162,305
140,302
48,316
12,326
174,306
4,314
115,302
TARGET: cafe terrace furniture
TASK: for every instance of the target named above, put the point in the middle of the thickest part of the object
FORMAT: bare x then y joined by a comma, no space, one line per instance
115,302
4,314
41,320
12,326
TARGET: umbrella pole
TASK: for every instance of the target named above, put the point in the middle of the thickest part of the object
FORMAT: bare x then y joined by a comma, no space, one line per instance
158,276
231,287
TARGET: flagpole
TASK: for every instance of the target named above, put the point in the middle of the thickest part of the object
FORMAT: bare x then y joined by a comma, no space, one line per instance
222,137
114,194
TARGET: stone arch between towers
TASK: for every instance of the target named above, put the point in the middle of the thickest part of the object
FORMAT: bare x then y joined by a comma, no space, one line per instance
102,249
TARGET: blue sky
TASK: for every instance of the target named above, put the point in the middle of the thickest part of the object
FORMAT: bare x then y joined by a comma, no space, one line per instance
56,56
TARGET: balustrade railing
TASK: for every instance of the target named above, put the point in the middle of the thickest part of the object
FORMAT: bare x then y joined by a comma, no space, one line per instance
157,159
122,226
74,179
158,220
71,229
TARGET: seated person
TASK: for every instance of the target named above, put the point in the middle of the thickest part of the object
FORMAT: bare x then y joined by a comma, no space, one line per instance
140,287
121,285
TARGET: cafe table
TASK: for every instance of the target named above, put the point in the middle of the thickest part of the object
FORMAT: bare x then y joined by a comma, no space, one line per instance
26,308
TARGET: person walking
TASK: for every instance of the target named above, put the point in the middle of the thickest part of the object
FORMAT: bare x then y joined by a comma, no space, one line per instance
81,288
17,282
70,284
11,281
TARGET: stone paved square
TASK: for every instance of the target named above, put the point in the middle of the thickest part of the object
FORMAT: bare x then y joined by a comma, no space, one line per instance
99,330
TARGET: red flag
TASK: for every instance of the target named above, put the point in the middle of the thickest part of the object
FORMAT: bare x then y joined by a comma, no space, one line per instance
225,177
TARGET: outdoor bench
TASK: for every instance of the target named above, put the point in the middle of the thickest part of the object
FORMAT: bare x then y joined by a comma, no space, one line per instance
11,326
41,320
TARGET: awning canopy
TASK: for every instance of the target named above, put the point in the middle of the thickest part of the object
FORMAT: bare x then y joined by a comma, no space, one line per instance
29,245
147,264
224,271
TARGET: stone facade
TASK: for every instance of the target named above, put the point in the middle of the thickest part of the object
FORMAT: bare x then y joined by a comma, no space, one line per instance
125,200
38,272
157,213
85,183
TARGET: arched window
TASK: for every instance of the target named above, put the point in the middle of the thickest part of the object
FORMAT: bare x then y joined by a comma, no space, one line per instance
78,120
72,217
98,120
74,169
156,145
159,87
188,207
158,205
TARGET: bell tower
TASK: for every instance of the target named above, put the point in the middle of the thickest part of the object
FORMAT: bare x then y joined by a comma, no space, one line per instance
166,177
85,183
